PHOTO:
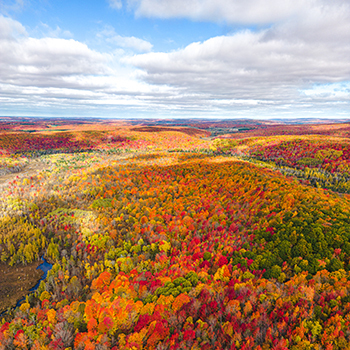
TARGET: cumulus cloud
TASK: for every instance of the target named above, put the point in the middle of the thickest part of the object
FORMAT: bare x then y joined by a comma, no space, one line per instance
298,64
128,42
132,43
43,61
269,67
55,73
244,60
10,29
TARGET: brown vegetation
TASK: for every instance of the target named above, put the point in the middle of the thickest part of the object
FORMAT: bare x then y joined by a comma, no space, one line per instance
16,281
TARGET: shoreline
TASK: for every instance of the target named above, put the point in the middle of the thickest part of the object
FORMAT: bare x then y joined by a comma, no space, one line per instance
16,282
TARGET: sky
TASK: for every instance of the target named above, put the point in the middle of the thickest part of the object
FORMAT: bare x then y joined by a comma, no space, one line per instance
175,58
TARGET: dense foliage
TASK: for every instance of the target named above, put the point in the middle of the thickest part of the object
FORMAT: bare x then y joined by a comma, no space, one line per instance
323,163
164,243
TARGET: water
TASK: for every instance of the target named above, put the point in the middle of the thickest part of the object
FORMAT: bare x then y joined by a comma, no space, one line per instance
45,267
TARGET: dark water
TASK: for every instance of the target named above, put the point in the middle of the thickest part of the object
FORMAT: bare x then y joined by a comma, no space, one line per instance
45,267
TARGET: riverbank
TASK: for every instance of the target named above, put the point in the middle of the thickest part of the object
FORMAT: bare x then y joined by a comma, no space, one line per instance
16,282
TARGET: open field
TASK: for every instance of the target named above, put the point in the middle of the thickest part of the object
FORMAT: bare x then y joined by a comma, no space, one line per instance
166,236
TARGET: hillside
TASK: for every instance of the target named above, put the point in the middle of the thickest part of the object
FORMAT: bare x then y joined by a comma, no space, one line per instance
169,236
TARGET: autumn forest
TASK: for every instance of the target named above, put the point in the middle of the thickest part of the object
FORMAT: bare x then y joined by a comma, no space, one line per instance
174,234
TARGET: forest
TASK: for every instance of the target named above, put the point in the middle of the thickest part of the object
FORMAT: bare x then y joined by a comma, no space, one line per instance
166,235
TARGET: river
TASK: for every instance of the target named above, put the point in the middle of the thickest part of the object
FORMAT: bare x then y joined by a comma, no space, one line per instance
45,267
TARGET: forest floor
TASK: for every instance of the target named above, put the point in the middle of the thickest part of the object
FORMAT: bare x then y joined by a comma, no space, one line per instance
16,281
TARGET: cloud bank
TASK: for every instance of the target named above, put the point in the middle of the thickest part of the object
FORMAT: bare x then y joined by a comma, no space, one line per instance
51,74
295,63
271,67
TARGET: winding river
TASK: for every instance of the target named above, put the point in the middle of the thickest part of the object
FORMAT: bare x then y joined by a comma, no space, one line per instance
45,267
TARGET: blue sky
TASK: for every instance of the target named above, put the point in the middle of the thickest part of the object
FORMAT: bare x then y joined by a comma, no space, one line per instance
175,58
85,22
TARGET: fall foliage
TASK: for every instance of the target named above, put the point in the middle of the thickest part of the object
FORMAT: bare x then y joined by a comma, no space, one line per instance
161,239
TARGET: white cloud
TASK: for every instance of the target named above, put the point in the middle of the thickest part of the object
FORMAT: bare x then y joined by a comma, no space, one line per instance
299,65
54,74
244,61
10,29
336,91
128,42
270,68
44,61
231,11
132,43
115,4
